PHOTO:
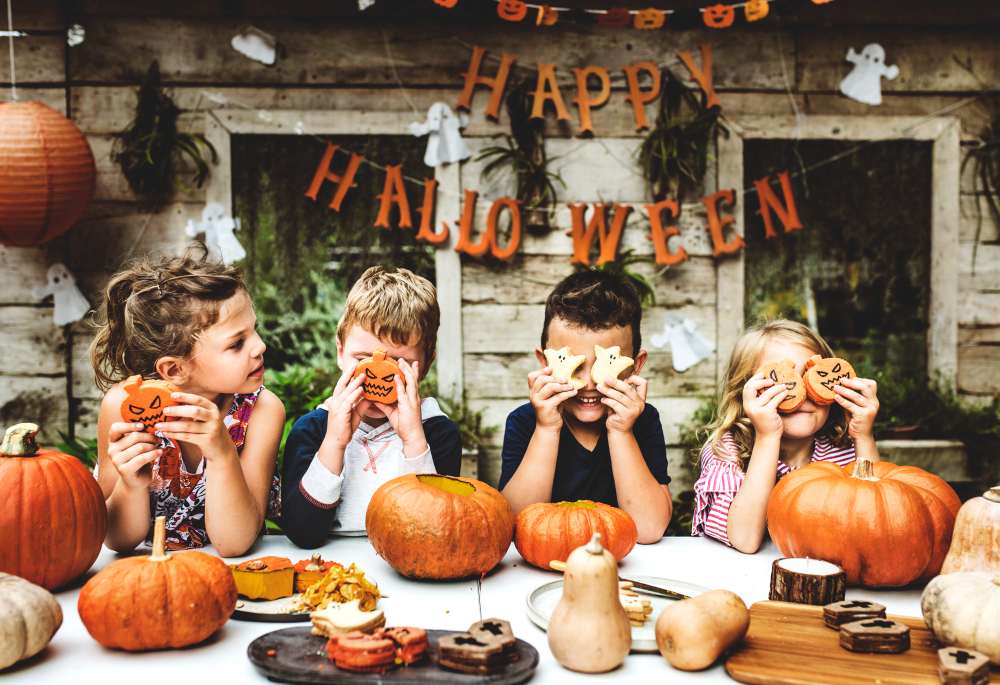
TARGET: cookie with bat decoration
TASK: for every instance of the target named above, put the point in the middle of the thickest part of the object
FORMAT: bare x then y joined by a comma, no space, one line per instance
146,400
783,372
822,374
380,372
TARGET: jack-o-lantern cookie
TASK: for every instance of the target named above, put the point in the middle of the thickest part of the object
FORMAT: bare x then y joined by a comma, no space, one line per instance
564,364
822,373
609,364
146,401
784,372
380,377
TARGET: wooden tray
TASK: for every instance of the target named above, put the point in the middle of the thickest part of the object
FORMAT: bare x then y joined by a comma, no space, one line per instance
788,644
300,657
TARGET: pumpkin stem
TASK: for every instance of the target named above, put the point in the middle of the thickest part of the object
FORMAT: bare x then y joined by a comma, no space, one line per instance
993,494
594,546
863,469
19,440
159,539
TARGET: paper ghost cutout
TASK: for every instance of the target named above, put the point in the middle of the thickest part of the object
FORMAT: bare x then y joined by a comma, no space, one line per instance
445,144
69,303
687,345
258,45
365,4
864,83
564,364
75,35
609,363
218,228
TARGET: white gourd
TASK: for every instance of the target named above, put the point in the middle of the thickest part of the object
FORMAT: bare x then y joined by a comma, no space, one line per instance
29,617
963,609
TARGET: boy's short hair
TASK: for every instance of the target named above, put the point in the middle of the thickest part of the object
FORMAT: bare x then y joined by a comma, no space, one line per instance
393,304
595,300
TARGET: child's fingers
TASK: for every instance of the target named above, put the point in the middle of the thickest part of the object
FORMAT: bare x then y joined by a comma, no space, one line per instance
561,397
182,426
613,393
614,405
541,382
121,459
346,376
119,429
754,386
133,438
553,388
848,394
189,411
865,386
142,459
775,398
640,384
191,398
533,376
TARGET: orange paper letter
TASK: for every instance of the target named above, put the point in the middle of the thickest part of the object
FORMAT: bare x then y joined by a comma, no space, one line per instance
393,191
497,83
426,232
703,75
547,77
584,101
661,235
788,214
638,97
717,223
514,243
583,235
323,173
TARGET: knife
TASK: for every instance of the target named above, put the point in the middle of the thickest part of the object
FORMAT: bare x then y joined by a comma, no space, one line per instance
638,586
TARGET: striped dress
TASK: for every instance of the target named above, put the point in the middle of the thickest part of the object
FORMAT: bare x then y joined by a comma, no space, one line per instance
721,479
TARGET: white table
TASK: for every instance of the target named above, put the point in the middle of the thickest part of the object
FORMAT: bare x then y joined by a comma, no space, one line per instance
73,657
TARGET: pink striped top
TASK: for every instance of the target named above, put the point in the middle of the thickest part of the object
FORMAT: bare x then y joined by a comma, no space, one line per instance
721,479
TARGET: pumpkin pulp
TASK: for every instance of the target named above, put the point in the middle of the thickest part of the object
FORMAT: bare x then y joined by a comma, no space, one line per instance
447,484
579,504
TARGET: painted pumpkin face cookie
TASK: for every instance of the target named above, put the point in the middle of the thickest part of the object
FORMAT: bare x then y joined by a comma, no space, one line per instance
146,401
380,377
564,364
822,373
783,371
609,364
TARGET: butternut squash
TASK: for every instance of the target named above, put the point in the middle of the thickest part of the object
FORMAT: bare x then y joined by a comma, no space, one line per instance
589,631
693,633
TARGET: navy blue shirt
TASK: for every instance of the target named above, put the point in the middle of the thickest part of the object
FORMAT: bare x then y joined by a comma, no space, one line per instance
581,473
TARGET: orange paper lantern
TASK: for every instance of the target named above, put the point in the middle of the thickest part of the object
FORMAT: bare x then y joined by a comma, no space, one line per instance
47,174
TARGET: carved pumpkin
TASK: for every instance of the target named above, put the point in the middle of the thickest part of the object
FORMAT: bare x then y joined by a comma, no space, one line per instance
550,531
784,372
719,16
380,377
512,10
822,374
650,19
161,601
885,525
439,527
447,3
53,517
963,609
755,10
29,617
146,401
975,544
615,17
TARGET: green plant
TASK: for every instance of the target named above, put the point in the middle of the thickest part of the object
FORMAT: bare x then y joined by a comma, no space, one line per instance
985,160
622,267
151,148
84,449
674,155
475,436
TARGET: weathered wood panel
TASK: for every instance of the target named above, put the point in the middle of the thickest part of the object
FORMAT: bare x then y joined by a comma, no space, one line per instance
976,216
978,309
21,269
31,343
53,97
81,371
39,59
38,399
986,277
977,369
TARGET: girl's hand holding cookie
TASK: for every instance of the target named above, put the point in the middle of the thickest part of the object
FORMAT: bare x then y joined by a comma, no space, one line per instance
626,400
131,451
761,397
859,398
546,394
197,421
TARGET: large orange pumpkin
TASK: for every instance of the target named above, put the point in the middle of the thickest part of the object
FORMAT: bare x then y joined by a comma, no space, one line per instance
550,531
885,525
161,601
52,513
47,173
439,527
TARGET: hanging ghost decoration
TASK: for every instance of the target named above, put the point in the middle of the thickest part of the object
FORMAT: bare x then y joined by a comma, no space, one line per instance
687,346
258,45
69,304
864,83
444,144
218,228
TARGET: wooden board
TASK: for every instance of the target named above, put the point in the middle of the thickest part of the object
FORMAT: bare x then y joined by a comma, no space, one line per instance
300,657
788,644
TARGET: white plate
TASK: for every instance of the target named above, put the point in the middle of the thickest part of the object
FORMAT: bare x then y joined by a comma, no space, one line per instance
542,602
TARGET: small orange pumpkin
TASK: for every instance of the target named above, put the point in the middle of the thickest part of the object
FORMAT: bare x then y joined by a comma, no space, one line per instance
615,17
755,10
546,532
822,374
447,3
380,377
163,601
146,401
719,16
512,10
439,527
650,19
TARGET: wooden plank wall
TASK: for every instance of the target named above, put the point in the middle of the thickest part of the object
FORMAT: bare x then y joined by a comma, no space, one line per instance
335,63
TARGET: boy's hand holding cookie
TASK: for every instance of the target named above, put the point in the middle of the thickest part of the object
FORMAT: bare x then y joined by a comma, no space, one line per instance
859,398
404,415
546,393
196,420
342,419
761,397
625,400
131,450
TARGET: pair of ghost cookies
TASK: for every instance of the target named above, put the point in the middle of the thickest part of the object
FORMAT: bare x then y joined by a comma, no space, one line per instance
609,364
817,383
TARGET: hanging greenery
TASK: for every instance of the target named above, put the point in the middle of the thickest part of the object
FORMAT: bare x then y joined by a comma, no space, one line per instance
622,267
524,154
985,160
150,150
674,155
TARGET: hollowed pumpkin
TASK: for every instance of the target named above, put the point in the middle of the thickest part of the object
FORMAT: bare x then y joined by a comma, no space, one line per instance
547,532
146,400
885,525
439,527
380,374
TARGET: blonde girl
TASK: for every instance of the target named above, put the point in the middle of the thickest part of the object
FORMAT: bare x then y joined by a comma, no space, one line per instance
210,468
751,445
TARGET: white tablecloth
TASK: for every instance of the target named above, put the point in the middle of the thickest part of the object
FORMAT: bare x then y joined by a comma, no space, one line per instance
73,657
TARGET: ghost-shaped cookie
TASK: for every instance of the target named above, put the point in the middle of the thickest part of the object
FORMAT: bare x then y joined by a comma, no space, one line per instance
864,83
609,364
68,302
564,364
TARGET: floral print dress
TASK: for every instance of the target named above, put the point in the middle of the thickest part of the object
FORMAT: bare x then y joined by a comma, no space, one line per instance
179,495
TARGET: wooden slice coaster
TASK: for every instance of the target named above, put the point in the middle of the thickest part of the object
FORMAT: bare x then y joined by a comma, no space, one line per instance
878,635
807,581
957,666
850,610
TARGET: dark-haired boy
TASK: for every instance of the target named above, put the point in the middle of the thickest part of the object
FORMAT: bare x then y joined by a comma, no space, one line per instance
601,442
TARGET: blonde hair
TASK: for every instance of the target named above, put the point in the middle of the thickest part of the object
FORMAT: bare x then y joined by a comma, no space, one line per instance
743,363
153,309
393,304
